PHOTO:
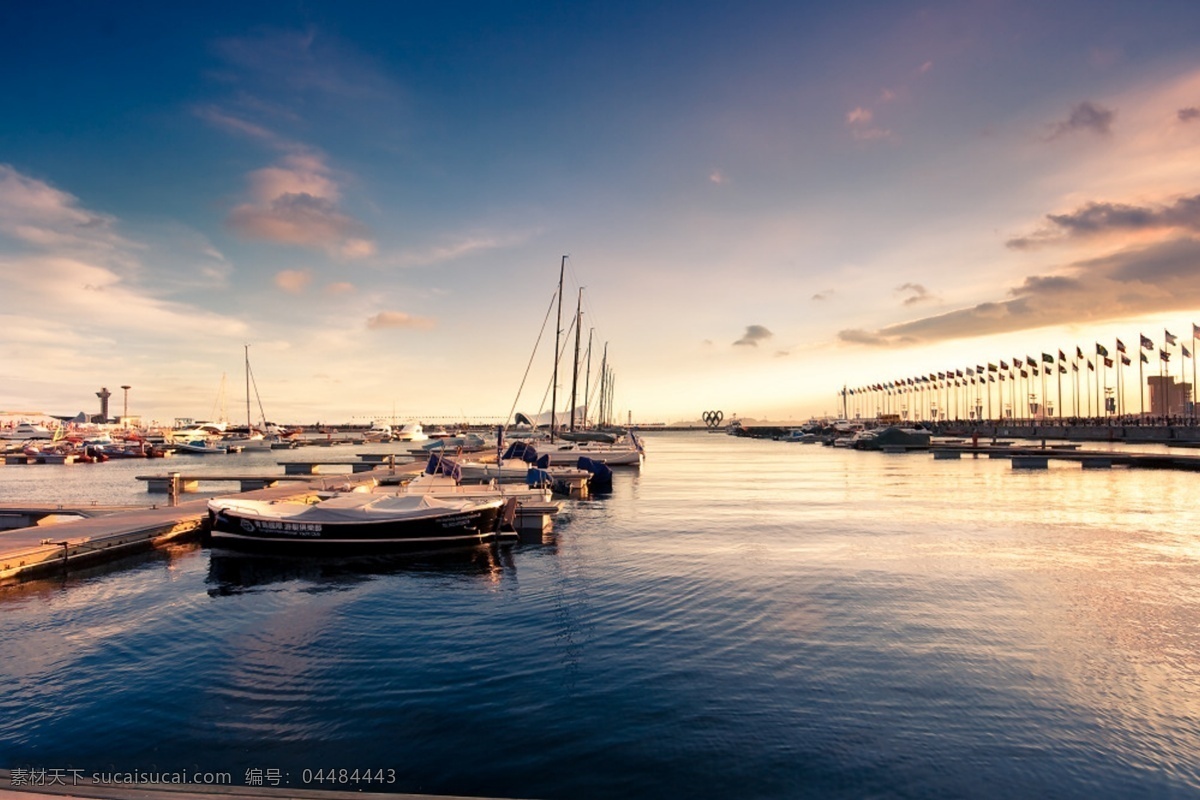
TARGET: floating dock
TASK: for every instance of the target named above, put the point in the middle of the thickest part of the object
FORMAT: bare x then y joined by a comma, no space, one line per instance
1038,457
103,534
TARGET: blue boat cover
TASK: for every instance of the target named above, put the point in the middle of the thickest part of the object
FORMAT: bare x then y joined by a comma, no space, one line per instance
522,450
601,475
538,477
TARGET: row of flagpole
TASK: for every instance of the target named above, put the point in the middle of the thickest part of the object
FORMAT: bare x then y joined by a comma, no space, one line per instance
958,394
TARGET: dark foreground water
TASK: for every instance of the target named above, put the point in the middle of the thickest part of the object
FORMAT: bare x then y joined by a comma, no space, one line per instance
740,619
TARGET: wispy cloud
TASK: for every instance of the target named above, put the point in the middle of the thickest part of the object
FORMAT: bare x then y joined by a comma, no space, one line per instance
1085,117
293,281
467,244
236,125
1153,279
860,122
38,215
823,295
1188,114
753,335
398,319
916,294
307,61
341,287
294,202
1096,218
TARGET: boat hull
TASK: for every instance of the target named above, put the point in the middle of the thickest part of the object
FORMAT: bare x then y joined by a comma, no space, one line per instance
247,531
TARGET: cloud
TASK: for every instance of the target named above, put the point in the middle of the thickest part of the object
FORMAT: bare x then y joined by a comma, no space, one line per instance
753,335
919,294
307,63
1188,114
1086,116
293,281
467,245
340,287
1094,219
860,122
823,295
716,177
233,124
304,220
89,297
37,215
924,68
398,319
295,200
1157,278
859,116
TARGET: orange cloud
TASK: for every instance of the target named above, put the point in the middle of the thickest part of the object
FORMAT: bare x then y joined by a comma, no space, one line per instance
293,280
398,319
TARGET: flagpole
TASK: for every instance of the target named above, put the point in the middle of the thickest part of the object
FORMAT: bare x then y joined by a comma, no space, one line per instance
1042,405
1089,390
1167,389
1013,375
1141,380
1074,397
1104,395
1058,371
1193,373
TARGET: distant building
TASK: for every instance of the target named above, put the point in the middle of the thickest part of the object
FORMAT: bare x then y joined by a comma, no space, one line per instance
1169,397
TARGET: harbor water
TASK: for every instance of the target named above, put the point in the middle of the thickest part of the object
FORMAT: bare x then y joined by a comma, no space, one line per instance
740,618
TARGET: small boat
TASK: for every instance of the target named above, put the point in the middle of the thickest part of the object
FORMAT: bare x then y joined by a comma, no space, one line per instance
412,432
627,452
27,430
358,522
200,447
467,443
589,435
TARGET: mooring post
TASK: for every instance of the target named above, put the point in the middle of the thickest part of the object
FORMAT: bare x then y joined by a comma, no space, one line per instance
173,490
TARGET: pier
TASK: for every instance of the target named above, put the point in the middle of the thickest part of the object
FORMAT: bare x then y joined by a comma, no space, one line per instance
107,533
1038,457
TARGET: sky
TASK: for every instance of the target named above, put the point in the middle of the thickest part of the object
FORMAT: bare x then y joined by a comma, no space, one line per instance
759,202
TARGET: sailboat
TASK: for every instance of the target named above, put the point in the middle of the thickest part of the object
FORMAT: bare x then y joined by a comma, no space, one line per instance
579,443
251,440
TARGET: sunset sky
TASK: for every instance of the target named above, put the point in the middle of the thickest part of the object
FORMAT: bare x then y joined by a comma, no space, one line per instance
764,201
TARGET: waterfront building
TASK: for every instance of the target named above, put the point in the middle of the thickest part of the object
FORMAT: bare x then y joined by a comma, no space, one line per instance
1168,396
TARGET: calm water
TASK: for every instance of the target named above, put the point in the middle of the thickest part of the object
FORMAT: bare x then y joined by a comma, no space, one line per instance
740,619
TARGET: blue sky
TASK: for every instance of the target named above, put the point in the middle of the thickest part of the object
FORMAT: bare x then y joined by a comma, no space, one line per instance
764,201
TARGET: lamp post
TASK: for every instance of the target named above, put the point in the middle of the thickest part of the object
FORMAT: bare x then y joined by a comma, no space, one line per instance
125,411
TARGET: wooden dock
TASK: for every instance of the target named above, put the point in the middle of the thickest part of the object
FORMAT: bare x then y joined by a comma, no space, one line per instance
162,484
1039,457
40,550
23,515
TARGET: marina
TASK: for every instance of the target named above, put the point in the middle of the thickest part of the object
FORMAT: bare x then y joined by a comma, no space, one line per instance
729,632
579,401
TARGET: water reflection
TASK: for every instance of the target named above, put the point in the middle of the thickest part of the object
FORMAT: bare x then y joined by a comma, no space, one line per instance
232,573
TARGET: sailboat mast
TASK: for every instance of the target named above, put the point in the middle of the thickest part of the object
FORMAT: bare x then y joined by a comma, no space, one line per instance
587,377
249,421
603,385
575,366
557,336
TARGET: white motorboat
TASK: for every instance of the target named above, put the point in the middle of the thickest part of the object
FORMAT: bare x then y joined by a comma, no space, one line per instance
625,453
410,432
27,430
358,522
